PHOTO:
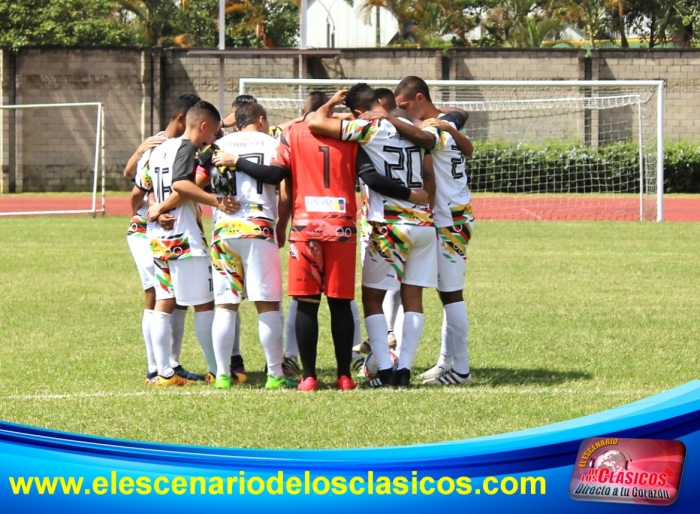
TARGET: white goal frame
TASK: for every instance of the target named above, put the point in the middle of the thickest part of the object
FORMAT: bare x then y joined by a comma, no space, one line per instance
98,164
658,85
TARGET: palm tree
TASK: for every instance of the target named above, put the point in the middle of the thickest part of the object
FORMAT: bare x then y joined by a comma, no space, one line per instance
157,18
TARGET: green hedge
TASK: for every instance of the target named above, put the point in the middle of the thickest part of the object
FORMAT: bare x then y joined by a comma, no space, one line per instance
571,168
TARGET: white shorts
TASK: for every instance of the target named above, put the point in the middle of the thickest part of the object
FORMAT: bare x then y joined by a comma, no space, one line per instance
452,257
140,248
399,254
188,280
246,268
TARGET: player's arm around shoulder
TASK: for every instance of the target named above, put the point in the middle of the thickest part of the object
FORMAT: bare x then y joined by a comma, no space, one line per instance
429,184
322,122
451,127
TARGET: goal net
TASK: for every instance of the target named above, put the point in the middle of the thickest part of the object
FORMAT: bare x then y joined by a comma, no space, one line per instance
52,148
544,150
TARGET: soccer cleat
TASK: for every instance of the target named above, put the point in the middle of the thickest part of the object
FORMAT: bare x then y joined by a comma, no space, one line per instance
402,377
223,382
345,383
151,377
182,372
210,378
363,347
358,362
279,383
175,380
236,365
384,378
238,378
432,373
308,384
290,367
391,339
450,378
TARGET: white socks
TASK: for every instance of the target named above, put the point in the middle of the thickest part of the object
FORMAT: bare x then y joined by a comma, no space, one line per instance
357,339
445,359
161,338
410,337
390,306
236,348
291,349
457,331
177,320
224,328
376,330
203,322
270,330
146,330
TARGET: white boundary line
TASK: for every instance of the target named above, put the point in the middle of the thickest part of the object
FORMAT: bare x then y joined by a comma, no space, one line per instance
423,390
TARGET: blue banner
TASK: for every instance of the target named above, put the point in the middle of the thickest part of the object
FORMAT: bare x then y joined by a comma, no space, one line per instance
530,470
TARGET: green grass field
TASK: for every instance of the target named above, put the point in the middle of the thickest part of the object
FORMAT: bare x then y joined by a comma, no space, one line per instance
567,319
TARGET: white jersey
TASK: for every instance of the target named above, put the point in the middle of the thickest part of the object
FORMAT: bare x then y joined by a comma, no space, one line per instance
256,218
400,160
452,195
170,162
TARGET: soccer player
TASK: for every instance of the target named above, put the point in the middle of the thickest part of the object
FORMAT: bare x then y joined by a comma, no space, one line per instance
230,120
454,221
392,299
401,251
245,255
386,98
320,198
182,265
140,247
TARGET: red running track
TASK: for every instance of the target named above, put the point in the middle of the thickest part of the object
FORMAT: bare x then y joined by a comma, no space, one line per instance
501,208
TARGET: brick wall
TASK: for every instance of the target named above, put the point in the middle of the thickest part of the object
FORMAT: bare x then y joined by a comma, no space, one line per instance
56,147
138,86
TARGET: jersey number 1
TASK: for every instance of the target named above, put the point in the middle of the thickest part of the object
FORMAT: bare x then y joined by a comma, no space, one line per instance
326,151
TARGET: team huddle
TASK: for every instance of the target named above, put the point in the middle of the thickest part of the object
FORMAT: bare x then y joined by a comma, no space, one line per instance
297,181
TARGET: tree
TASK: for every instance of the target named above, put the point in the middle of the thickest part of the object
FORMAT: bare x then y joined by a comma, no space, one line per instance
662,21
62,23
416,20
249,23
157,21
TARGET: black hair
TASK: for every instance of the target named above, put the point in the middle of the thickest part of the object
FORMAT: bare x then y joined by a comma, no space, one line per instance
361,96
315,100
203,110
183,104
248,114
411,86
383,92
242,100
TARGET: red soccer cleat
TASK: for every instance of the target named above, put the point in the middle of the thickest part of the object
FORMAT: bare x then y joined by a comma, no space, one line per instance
308,384
345,383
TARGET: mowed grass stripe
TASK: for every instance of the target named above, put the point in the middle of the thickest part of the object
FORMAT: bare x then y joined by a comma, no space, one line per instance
567,319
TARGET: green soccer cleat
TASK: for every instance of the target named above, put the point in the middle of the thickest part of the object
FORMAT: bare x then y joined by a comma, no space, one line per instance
223,382
279,383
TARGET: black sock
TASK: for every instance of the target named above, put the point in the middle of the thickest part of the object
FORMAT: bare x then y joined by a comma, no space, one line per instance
343,330
306,328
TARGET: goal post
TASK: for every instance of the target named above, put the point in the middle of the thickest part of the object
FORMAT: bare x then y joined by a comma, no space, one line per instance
544,149
57,154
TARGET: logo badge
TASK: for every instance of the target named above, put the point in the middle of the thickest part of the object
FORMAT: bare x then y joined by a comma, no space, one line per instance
639,471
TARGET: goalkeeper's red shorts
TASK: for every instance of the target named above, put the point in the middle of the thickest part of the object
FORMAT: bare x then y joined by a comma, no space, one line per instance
326,267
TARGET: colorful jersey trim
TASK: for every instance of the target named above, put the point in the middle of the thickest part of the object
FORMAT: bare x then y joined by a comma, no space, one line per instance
388,242
454,241
171,248
249,228
137,226
462,214
407,216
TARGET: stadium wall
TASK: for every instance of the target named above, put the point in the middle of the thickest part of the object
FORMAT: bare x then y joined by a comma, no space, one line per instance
137,85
